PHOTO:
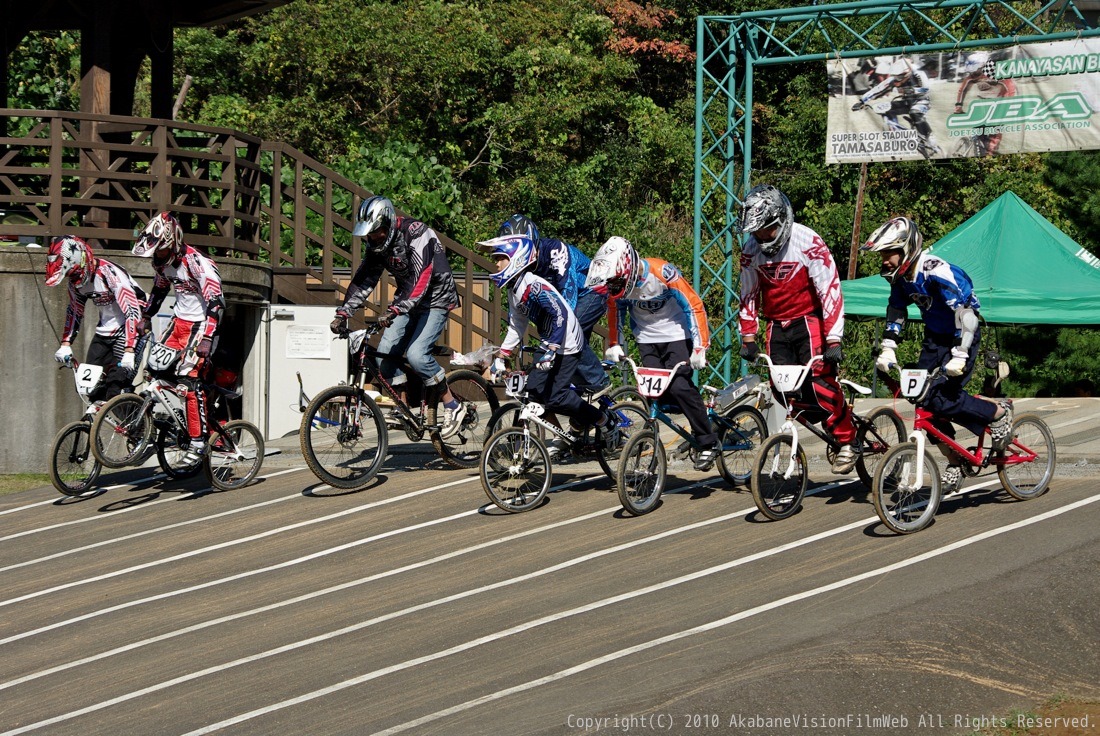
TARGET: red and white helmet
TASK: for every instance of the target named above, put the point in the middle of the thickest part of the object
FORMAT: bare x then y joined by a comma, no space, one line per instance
69,256
901,234
615,269
162,239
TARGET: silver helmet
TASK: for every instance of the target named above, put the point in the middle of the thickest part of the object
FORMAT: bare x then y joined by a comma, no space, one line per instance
764,207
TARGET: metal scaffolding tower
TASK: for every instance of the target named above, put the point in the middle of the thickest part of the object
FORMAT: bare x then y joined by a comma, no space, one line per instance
729,48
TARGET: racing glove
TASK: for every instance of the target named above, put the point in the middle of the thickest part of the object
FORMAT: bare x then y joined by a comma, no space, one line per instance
546,361
886,357
957,365
698,359
834,354
64,354
614,354
749,351
127,362
339,326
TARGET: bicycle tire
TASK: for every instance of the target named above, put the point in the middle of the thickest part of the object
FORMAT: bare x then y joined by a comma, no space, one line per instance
171,453
632,418
902,508
642,472
344,457
778,497
73,467
882,429
463,448
515,470
121,431
628,393
1030,479
228,469
739,443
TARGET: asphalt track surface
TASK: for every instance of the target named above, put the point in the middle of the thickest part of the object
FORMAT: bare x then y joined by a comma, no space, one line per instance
162,607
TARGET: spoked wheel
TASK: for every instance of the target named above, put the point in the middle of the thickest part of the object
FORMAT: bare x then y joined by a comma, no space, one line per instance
1028,464
902,505
121,431
740,443
73,468
883,430
343,437
643,469
778,480
234,460
631,394
463,448
631,418
515,470
172,454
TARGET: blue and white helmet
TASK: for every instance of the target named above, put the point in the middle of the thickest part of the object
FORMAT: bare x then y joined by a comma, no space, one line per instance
520,251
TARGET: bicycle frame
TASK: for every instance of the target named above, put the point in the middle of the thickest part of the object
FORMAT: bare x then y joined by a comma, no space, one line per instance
913,384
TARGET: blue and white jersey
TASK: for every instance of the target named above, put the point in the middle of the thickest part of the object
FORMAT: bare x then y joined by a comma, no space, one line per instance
564,266
938,289
534,299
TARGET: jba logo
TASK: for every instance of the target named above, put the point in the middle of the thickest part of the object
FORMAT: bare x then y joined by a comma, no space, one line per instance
1066,106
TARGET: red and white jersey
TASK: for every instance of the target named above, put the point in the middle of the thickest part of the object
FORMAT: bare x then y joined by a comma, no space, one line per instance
117,297
197,283
800,279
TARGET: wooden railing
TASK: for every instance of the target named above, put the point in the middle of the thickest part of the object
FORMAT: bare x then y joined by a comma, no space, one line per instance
100,177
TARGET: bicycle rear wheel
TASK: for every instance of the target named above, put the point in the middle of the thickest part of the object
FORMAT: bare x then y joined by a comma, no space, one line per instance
631,418
779,479
343,437
883,429
121,431
642,472
1028,464
172,454
73,468
628,393
902,505
740,442
234,458
515,470
463,448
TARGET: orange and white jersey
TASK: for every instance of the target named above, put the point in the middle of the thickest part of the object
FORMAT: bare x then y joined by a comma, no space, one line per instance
800,279
662,307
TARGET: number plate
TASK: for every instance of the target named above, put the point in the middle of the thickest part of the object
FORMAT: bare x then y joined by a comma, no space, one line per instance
515,383
913,381
161,357
788,378
652,382
87,378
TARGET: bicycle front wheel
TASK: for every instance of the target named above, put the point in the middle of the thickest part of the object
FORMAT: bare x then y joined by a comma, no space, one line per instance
1028,464
463,448
234,456
904,506
642,471
629,393
883,429
73,468
779,477
121,431
343,437
630,418
515,470
172,454
740,440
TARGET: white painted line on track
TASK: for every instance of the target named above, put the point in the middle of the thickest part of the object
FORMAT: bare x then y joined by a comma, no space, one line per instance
113,514
592,663
28,506
449,599
157,530
231,543
262,570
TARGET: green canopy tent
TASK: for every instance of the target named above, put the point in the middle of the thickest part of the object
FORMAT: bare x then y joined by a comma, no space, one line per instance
1025,270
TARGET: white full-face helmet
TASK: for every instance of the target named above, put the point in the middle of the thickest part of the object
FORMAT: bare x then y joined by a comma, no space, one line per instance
615,269
763,207
900,234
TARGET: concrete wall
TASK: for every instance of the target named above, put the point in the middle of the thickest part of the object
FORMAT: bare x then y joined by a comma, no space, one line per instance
37,399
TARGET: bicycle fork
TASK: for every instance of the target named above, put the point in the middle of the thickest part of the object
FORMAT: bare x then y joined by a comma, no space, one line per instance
788,426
